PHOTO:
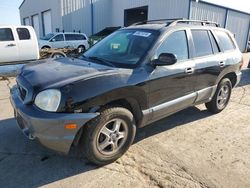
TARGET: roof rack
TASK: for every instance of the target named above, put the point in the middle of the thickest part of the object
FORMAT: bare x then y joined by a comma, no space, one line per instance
175,21
163,21
202,22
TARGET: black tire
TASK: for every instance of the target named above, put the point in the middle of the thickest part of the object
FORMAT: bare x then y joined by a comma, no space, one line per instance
45,48
81,48
214,105
92,135
58,55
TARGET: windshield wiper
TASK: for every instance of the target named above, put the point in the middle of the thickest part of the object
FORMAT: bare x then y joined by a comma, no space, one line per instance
103,61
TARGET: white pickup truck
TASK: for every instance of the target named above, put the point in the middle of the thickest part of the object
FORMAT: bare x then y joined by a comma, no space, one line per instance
18,43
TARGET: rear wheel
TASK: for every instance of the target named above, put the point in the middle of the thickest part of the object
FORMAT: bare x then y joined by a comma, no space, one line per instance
221,97
81,48
108,137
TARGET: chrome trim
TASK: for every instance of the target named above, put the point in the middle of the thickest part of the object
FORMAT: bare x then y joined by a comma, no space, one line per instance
173,102
206,94
155,113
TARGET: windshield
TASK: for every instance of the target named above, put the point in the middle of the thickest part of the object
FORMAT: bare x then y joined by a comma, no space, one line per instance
123,48
48,36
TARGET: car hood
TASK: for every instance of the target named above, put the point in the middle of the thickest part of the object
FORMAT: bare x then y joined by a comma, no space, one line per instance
55,73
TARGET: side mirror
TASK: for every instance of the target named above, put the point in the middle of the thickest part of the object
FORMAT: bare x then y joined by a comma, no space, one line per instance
165,59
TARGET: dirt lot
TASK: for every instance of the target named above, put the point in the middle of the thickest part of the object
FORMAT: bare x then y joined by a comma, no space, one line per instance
189,149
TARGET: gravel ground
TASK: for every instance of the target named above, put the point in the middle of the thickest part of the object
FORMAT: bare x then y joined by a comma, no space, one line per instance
192,148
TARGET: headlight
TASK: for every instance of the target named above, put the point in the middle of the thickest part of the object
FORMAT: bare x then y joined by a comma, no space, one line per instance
48,100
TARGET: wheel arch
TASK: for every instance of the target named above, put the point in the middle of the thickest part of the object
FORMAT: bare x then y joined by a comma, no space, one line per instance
232,77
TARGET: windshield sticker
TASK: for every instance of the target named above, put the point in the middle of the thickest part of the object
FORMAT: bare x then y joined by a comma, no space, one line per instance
142,34
115,46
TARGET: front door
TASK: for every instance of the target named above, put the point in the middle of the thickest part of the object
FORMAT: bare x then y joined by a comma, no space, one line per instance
172,86
8,46
58,41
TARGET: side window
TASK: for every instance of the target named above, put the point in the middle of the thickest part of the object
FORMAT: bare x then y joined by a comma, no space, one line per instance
202,43
214,43
23,33
80,37
6,34
58,38
176,44
225,42
69,37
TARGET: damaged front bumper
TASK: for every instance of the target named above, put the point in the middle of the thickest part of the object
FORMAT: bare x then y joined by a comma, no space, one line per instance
47,127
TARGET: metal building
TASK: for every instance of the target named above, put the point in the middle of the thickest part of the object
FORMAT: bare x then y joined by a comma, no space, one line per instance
91,16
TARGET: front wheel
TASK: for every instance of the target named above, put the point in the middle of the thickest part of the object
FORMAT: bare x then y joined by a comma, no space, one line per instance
221,97
108,137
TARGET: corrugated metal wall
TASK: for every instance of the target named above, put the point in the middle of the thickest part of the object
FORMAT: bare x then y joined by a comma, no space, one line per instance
168,9
238,24
156,9
76,15
119,7
201,11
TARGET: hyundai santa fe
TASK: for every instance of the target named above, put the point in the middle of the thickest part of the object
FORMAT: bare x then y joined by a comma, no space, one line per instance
133,77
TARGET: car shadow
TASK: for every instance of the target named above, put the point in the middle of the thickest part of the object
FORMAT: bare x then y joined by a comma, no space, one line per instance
34,165
179,119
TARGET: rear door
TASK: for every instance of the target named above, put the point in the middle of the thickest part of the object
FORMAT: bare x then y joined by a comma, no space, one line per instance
208,62
27,44
71,40
8,46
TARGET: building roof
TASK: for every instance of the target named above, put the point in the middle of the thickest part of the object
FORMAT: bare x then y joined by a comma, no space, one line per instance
21,4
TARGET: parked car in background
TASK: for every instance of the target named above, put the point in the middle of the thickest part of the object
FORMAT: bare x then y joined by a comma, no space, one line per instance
18,43
64,40
101,34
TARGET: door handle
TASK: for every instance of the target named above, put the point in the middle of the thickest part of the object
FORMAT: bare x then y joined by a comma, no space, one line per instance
222,64
11,45
189,70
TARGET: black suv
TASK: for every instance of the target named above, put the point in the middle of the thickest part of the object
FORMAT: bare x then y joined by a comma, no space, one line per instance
133,77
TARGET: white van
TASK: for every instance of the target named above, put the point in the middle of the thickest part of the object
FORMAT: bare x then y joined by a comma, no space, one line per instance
64,40
18,43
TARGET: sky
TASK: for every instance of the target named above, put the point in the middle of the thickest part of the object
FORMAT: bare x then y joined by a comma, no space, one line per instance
9,13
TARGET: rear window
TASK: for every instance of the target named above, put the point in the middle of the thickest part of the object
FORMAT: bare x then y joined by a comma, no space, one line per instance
69,37
80,37
23,33
202,43
225,42
6,34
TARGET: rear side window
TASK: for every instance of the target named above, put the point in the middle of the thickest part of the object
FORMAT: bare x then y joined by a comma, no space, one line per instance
225,41
176,44
202,43
6,34
70,37
23,33
80,37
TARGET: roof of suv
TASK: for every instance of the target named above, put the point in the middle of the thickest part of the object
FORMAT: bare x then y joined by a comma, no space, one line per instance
164,23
